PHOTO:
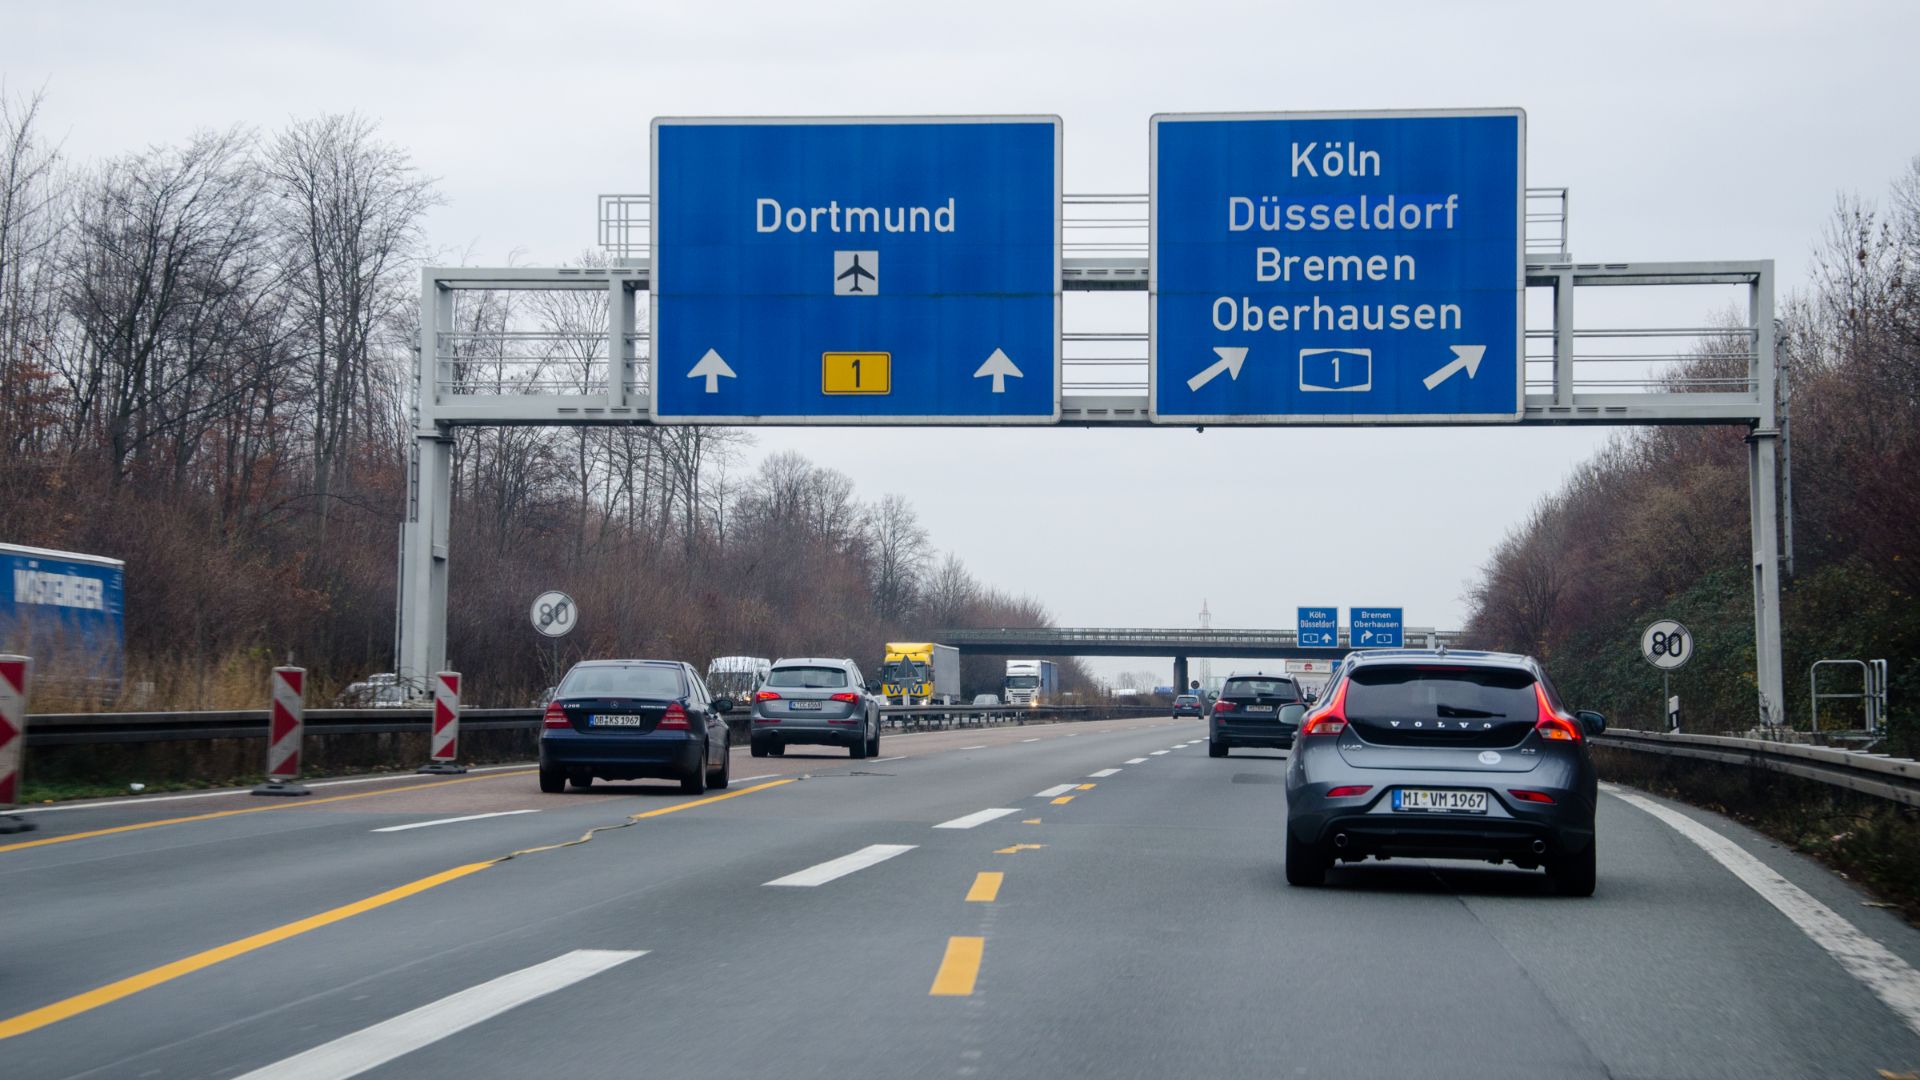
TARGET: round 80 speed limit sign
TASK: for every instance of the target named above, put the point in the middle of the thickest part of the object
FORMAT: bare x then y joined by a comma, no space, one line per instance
1667,645
552,613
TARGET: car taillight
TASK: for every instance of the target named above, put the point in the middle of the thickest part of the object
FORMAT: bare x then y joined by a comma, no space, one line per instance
674,719
1348,791
766,695
1223,706
1551,725
846,697
555,716
1531,796
1330,718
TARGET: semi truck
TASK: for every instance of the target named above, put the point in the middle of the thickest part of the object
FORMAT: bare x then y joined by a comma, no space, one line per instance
67,611
920,673
1032,682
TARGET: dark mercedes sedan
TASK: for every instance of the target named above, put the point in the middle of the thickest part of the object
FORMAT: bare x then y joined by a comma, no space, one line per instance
1441,754
633,719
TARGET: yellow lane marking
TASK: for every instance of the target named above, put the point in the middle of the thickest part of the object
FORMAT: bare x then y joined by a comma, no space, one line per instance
1017,848
959,968
114,991
276,805
1086,787
632,818
133,984
1063,800
1031,821
986,887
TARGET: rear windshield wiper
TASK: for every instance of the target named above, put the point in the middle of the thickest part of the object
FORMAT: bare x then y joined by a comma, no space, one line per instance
1454,712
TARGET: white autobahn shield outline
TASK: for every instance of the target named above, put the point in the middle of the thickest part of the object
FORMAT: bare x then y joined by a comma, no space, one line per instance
1332,420
656,267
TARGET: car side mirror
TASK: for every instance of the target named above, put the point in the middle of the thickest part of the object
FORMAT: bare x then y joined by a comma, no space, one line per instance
1595,723
722,705
1311,697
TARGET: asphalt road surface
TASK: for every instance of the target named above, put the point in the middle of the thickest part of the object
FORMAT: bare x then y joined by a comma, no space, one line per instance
1094,899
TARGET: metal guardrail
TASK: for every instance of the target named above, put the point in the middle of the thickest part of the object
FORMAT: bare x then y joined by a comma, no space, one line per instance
1878,775
98,729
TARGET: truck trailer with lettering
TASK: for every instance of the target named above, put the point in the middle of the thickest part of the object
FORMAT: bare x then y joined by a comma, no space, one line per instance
67,610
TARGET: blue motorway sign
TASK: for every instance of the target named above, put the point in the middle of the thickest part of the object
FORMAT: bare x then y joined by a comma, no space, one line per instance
856,271
1319,628
1338,268
1375,628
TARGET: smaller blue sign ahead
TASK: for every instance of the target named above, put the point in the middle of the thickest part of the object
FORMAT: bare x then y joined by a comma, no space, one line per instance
1319,628
1375,628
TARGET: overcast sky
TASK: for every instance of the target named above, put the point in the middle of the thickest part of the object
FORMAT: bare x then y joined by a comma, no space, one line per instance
1685,130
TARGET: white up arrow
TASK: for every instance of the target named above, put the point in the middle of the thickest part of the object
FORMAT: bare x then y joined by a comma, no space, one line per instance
1229,362
999,367
713,368
1465,358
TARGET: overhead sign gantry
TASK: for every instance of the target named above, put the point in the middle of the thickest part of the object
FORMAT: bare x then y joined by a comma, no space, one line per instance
1326,268
857,271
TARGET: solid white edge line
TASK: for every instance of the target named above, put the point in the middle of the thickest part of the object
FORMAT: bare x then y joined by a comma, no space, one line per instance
452,820
978,817
982,746
1135,761
899,757
821,873
1055,791
1035,739
1891,979
372,1047
748,779
1101,773
144,799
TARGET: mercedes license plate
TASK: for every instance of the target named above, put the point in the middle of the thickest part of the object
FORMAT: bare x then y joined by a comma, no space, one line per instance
616,720
1426,800
805,706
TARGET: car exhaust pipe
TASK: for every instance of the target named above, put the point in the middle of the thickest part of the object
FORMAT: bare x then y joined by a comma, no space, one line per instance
1340,840
1539,847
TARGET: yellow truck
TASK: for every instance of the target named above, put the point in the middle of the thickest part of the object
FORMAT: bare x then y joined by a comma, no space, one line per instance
920,673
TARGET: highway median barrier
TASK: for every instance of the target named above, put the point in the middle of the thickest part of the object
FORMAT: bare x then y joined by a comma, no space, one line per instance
16,672
286,728
443,745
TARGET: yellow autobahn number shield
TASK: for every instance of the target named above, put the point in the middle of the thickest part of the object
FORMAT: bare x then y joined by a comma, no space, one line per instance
856,373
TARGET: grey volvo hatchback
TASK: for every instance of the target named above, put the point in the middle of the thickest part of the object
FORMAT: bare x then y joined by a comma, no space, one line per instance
1441,754
818,701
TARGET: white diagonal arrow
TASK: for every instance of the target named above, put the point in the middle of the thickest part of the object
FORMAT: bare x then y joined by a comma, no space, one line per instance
999,367
714,369
1230,360
1465,358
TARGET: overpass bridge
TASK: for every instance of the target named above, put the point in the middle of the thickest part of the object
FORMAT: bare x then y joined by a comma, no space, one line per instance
1179,644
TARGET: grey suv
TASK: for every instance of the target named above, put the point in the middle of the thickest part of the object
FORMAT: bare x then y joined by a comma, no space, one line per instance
1441,754
818,701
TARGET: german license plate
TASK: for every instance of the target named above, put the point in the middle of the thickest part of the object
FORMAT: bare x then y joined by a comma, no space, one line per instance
1259,708
1427,800
805,706
616,720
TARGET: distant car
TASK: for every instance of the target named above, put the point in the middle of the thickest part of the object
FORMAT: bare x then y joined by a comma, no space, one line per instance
632,719
1442,754
986,699
1187,705
817,701
1254,709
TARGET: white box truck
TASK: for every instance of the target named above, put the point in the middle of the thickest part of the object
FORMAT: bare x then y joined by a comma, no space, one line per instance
1032,682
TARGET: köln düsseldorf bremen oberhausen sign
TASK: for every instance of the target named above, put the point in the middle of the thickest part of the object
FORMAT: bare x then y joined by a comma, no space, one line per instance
1329,268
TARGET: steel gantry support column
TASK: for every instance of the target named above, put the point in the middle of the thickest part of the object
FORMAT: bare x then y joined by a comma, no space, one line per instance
1763,500
423,586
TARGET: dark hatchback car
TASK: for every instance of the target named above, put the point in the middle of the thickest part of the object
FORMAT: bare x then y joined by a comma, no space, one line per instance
1440,754
634,719
1254,709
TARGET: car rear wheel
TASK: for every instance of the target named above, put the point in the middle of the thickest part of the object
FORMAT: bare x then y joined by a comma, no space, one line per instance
873,743
859,749
775,749
719,778
1576,874
583,781
1306,863
553,781
695,782
757,747
1216,748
